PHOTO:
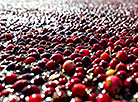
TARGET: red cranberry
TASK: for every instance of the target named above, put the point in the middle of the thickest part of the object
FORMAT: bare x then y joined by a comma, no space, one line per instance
135,75
120,66
49,91
86,61
1,87
103,97
92,97
29,60
99,52
50,64
36,70
30,89
78,89
113,63
62,81
72,82
78,59
84,52
122,74
105,56
68,65
93,41
135,51
102,76
67,52
20,84
60,95
113,84
122,56
51,84
5,92
38,80
10,78
104,64
57,57
99,70
135,38
74,55
80,69
35,98
78,75
132,58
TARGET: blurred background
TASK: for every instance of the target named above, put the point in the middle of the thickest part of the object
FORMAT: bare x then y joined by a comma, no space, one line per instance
43,4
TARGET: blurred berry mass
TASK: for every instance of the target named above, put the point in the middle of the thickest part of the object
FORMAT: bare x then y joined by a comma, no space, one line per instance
68,50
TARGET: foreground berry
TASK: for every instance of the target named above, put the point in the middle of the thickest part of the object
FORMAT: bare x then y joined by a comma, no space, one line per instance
68,65
78,90
35,98
113,84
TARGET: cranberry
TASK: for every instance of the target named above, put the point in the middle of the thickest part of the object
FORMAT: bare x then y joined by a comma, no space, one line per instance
10,78
99,70
104,64
122,74
1,87
10,66
97,61
49,91
103,97
80,69
135,38
20,84
38,80
102,76
135,75
72,82
113,63
78,75
51,84
67,52
122,56
105,56
84,52
92,97
36,70
30,89
135,51
57,57
35,98
113,84
26,76
78,89
86,60
132,58
120,66
99,52
93,41
74,55
76,99
131,84
29,60
78,59
68,65
60,95
5,92
62,81
50,64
